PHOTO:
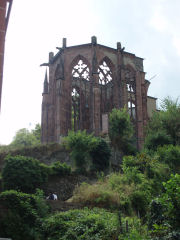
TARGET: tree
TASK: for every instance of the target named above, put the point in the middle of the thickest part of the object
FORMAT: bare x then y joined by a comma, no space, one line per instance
170,200
26,138
100,154
37,132
121,130
23,173
23,216
80,144
170,155
156,139
165,210
164,126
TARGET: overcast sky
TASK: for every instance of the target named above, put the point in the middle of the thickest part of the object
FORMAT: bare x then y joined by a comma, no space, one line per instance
148,28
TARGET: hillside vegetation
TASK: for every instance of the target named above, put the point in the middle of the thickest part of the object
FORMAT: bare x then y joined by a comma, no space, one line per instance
138,201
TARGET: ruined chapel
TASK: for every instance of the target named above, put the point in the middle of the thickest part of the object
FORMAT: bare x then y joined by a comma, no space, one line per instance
85,82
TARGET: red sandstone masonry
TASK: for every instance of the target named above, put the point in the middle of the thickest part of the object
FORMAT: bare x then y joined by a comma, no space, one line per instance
3,23
94,98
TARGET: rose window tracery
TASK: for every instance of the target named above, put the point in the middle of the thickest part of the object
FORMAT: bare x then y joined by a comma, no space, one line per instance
105,74
81,70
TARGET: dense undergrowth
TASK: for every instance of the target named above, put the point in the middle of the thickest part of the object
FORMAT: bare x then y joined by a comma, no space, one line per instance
140,202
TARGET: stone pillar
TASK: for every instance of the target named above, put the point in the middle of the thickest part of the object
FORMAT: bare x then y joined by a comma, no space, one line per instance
44,119
96,103
124,92
2,40
144,98
118,101
96,90
139,112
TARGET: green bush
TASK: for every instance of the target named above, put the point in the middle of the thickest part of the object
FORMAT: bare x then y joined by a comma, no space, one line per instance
156,139
22,216
140,201
121,130
60,169
94,224
136,230
170,155
164,123
23,174
97,195
170,200
80,143
100,155
164,214
154,171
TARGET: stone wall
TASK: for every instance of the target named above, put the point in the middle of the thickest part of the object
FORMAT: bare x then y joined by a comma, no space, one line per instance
44,153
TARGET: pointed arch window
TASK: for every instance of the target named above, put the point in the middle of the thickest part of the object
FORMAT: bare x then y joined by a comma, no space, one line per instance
105,73
130,81
132,109
75,117
81,70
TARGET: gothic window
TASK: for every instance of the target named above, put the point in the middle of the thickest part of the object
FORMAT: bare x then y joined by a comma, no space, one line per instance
81,87
131,88
81,70
132,109
105,74
75,119
130,81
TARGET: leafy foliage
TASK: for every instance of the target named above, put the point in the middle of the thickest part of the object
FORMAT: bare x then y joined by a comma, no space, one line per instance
97,195
164,216
80,143
100,154
136,230
148,165
23,215
83,224
120,130
23,173
164,126
37,131
171,156
60,169
117,191
156,139
170,200
26,138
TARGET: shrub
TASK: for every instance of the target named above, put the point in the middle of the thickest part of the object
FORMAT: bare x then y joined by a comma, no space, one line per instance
149,166
136,230
23,173
170,200
80,144
60,169
97,195
170,155
120,129
166,121
117,191
140,201
83,224
100,155
22,216
156,139
155,214
164,215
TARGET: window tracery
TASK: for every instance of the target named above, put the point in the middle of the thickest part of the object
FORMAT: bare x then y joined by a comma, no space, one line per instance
81,70
80,95
105,74
130,81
